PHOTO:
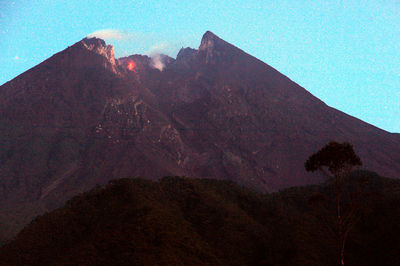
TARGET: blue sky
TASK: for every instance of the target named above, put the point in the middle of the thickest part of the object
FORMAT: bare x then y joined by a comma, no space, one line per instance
347,53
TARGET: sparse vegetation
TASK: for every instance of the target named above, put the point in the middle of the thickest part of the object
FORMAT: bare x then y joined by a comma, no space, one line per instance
337,161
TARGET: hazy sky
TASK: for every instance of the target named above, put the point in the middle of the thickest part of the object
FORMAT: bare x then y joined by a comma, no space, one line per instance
347,53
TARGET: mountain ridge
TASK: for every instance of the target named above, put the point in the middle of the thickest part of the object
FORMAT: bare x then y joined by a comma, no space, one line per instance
82,117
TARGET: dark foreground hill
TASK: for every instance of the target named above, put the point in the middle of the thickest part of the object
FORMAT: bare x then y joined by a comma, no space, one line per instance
182,221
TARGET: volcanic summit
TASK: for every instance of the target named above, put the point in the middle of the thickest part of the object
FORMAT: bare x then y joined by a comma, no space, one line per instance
82,117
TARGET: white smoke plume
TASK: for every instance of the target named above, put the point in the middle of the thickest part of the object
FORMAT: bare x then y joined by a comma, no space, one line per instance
156,62
127,42
110,34
155,55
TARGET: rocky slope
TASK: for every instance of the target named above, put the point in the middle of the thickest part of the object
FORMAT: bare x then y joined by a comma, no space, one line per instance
83,117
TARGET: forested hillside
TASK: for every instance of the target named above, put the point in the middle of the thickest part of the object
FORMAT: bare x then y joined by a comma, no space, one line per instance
180,220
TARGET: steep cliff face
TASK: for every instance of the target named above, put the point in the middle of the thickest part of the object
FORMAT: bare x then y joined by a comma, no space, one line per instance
83,117
99,46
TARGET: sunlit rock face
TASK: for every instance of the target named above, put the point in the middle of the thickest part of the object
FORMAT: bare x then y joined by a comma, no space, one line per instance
99,46
82,117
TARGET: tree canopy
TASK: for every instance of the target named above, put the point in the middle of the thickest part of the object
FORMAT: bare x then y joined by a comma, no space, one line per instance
335,156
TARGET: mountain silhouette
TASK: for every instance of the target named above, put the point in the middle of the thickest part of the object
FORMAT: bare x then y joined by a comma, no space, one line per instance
82,117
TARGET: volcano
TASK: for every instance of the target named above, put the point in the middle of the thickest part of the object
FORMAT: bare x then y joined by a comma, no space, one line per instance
82,117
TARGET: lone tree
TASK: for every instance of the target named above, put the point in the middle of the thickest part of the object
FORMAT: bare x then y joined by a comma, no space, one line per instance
336,161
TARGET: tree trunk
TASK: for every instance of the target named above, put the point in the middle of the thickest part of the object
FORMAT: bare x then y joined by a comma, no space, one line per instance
340,233
342,253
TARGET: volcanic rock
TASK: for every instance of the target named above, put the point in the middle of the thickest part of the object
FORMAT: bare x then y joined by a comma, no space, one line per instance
82,117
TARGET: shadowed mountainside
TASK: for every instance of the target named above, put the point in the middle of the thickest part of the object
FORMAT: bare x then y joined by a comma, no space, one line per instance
82,117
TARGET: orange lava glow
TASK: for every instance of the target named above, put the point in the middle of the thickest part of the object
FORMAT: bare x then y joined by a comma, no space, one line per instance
131,66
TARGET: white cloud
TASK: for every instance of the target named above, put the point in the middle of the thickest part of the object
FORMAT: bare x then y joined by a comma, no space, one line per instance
110,34
16,57
159,48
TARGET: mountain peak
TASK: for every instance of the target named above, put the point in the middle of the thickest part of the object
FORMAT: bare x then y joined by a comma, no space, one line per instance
213,48
98,46
94,41
214,112
209,40
210,35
